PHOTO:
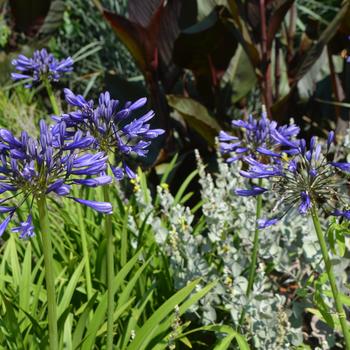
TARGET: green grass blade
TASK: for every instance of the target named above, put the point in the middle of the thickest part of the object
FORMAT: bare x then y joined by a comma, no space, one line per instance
132,324
184,186
125,295
145,334
166,324
15,266
83,321
26,280
69,290
67,333
100,312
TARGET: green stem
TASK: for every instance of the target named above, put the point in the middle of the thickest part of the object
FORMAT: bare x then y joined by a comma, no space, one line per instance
252,267
110,272
52,97
330,273
84,243
49,272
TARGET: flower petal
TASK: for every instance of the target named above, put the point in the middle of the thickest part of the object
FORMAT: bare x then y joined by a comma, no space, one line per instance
101,207
254,191
263,223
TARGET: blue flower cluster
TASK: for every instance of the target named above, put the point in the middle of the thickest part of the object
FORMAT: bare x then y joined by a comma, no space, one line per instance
76,150
260,138
297,176
31,168
42,66
113,132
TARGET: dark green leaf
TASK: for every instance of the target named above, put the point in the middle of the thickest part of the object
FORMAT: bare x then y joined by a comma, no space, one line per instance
197,116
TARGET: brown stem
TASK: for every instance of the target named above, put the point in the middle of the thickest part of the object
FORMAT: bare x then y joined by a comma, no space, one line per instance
335,86
291,32
277,69
265,61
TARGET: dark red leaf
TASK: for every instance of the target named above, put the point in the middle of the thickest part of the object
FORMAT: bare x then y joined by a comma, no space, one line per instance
29,15
312,54
139,41
206,48
275,20
142,12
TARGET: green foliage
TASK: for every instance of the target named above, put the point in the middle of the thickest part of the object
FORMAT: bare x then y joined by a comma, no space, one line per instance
5,32
18,111
144,293
181,268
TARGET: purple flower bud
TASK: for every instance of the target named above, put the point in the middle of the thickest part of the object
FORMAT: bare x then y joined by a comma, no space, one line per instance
118,173
263,223
19,76
267,152
313,172
26,228
305,203
330,138
6,187
344,213
4,224
233,159
128,171
54,186
241,150
101,207
293,166
7,209
138,104
254,191
94,182
342,166
303,146
283,140
17,154
312,143
228,147
80,142
62,190
308,156
7,137
224,136
318,152
240,123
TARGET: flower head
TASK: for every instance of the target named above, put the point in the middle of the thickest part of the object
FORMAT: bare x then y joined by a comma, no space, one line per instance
261,138
304,180
41,66
114,132
31,168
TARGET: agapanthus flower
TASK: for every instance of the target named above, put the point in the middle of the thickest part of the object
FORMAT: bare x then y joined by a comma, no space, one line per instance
115,129
42,66
260,138
301,181
31,168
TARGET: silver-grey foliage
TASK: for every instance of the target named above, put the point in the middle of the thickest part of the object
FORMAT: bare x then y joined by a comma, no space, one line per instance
219,246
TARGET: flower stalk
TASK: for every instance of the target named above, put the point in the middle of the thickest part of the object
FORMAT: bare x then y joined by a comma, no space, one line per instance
49,272
110,272
51,97
84,243
338,304
252,268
